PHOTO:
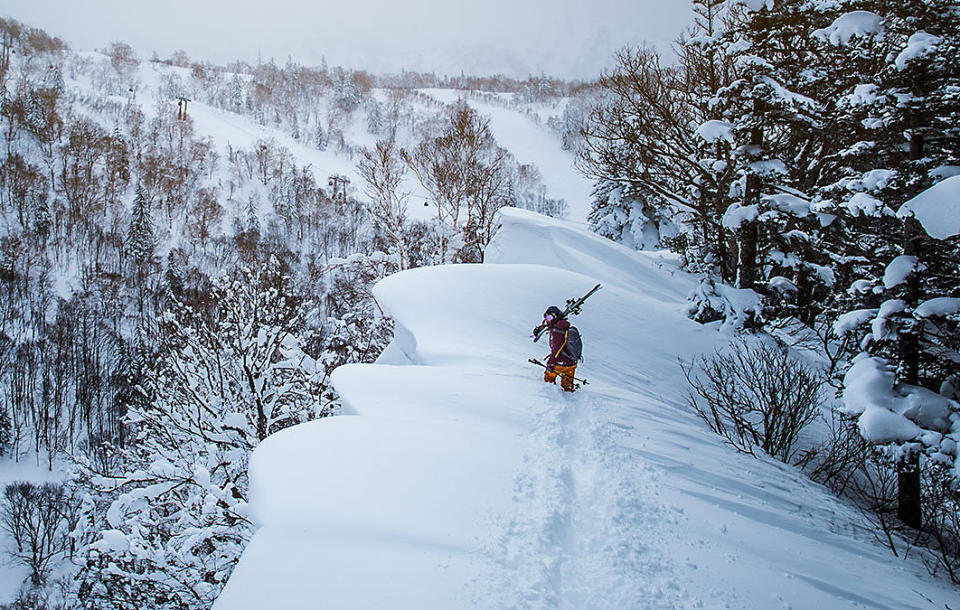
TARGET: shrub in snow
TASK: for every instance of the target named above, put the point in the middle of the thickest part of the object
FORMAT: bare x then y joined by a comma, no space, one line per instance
941,514
756,396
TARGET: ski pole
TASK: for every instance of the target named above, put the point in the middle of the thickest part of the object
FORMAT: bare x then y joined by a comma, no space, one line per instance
551,369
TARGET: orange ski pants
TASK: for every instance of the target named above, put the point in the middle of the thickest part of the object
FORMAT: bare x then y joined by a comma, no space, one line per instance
565,373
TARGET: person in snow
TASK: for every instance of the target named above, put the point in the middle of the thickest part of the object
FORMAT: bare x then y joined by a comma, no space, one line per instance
559,362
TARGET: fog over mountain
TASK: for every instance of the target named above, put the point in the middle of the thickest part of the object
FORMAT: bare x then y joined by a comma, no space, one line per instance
569,38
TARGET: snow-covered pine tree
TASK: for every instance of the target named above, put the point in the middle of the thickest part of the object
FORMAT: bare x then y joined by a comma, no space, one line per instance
238,97
773,123
140,237
898,117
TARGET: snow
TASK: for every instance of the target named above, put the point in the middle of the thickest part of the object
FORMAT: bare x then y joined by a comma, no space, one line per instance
824,272
66,279
852,320
790,204
937,208
863,95
112,540
936,307
899,270
860,287
457,478
890,412
919,45
782,285
769,167
851,25
888,308
737,214
867,384
786,95
945,171
877,179
863,203
714,130
882,426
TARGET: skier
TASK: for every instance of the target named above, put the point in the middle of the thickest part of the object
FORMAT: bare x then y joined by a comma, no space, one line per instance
561,362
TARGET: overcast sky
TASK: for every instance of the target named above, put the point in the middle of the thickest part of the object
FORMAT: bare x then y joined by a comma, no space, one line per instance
572,38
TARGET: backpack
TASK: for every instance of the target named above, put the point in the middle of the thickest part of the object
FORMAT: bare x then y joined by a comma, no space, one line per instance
573,348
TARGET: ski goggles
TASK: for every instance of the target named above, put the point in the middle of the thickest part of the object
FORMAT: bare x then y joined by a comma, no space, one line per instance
548,318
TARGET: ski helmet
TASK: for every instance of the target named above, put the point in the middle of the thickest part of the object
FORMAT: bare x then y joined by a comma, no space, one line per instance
554,311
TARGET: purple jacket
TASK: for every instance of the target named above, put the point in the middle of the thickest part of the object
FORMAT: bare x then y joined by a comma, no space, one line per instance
558,338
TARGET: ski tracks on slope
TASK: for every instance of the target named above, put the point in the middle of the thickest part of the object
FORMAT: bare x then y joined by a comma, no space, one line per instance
589,530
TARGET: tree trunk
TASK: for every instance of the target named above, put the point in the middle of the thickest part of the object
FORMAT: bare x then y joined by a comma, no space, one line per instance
747,260
908,491
909,507
747,235
747,238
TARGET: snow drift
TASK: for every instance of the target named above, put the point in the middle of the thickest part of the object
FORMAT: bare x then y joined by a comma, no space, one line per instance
458,478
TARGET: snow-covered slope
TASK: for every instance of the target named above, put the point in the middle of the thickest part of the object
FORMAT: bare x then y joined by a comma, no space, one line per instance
459,479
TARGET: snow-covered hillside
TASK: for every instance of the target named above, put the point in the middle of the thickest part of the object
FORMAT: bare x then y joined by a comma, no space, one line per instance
459,479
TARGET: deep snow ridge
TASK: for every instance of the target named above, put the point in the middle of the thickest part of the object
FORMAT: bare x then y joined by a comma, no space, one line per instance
460,479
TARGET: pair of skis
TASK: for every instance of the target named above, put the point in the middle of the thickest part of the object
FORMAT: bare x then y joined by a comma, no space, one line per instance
572,308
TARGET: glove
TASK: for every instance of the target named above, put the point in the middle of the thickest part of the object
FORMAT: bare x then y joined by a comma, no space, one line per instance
537,329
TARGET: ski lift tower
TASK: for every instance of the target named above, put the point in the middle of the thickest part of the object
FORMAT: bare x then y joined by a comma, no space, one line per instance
339,185
182,108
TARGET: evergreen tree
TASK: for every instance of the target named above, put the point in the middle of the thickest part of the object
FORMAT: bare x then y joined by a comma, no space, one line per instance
41,218
140,238
898,116
773,124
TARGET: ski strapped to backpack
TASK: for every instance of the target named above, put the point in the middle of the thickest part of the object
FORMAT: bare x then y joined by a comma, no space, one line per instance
572,309
552,370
